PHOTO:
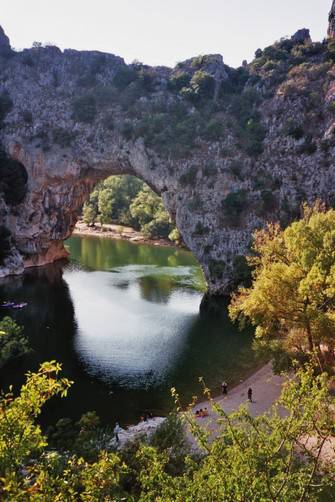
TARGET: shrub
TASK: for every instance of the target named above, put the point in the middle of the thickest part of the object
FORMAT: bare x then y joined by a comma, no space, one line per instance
268,200
105,95
203,84
12,341
127,130
84,109
178,80
5,243
63,137
124,77
27,116
108,121
170,438
6,104
235,168
234,204
294,129
216,268
309,146
241,271
13,180
189,178
213,130
210,169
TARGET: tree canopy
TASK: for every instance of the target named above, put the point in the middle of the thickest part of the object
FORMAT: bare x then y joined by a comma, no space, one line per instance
292,298
126,200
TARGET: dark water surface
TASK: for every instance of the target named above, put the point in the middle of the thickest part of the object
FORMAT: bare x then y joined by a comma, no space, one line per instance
124,320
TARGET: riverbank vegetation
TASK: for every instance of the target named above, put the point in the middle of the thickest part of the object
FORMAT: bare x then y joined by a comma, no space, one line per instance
126,200
265,458
291,301
13,342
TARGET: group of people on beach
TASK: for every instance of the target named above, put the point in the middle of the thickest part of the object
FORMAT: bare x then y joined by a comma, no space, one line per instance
224,387
202,413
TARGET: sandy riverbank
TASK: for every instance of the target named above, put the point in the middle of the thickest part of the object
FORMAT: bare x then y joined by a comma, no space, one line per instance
266,389
111,231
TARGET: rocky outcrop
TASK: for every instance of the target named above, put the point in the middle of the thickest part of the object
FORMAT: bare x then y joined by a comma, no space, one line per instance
226,149
302,36
331,26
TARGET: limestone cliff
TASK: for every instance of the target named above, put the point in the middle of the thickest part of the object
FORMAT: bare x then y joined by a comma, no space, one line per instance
228,149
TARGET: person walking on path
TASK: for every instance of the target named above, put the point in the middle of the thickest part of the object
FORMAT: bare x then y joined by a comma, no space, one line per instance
117,430
250,394
224,388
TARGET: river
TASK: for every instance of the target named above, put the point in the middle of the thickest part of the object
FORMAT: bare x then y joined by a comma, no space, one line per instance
124,321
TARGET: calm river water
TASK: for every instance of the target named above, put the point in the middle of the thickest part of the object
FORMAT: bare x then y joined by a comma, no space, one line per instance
124,320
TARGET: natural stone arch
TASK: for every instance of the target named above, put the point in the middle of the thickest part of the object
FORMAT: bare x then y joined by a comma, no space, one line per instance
71,118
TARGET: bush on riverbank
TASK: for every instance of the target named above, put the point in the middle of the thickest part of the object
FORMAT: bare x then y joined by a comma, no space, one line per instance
13,343
249,458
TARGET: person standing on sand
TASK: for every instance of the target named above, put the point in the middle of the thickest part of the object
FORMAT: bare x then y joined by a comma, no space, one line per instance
117,430
250,394
224,388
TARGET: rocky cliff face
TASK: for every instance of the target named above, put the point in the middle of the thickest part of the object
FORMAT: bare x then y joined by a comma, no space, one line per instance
227,149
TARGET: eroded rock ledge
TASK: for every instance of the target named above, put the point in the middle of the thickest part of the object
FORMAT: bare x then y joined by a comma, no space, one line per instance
228,149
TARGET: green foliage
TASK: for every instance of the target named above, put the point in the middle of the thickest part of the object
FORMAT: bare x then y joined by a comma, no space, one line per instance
148,211
241,271
210,169
189,178
124,77
63,137
213,130
170,437
201,87
126,200
13,180
178,80
90,214
27,116
294,129
291,300
309,146
12,341
5,243
127,130
248,128
108,121
262,458
217,268
234,204
6,104
20,437
84,109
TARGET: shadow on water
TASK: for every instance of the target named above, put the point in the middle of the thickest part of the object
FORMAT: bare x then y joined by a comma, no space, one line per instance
124,321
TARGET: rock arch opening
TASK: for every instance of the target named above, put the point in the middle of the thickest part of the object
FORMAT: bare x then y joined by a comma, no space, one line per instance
125,205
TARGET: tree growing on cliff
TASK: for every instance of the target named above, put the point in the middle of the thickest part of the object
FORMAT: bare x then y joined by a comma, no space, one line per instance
292,298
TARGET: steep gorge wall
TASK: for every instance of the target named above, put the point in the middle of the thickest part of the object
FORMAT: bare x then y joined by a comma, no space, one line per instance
227,149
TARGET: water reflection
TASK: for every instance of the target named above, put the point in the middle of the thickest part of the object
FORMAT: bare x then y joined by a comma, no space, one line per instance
124,321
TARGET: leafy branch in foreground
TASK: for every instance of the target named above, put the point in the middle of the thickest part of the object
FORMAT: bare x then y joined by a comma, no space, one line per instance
278,456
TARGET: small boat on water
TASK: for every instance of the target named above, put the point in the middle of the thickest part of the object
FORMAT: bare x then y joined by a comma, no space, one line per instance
13,305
